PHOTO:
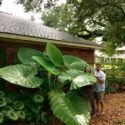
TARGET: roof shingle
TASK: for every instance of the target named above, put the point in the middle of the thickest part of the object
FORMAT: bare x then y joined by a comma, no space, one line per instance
12,24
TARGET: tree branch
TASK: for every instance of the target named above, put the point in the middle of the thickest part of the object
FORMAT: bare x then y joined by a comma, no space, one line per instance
90,34
110,4
99,23
120,8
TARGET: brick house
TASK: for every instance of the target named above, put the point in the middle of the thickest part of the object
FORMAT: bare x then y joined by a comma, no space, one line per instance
16,32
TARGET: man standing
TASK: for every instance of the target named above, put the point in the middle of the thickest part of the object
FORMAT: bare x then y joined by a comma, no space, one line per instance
99,89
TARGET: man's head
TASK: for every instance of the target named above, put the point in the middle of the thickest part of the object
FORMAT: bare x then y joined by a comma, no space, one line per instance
98,66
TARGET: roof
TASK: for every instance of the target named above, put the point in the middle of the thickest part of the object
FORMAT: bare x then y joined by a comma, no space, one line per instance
12,26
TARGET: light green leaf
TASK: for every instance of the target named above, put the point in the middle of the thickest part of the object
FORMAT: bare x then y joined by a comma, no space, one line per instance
37,98
74,72
2,102
25,55
55,55
69,75
1,118
70,109
82,80
12,115
22,75
50,67
78,65
21,114
69,59
63,77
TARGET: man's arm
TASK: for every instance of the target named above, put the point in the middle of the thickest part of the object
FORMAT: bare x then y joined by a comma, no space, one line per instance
100,80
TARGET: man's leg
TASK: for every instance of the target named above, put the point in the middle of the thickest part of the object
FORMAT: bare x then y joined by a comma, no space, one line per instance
97,106
96,97
92,101
101,102
102,106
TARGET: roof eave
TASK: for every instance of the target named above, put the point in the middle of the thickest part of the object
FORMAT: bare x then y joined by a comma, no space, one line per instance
29,39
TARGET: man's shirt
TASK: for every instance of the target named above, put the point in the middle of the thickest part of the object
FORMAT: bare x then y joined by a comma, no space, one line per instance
99,87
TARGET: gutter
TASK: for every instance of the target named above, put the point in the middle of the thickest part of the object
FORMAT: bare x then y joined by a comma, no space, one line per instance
41,41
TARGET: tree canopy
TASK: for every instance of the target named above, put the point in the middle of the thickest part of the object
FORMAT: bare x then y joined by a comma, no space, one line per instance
88,19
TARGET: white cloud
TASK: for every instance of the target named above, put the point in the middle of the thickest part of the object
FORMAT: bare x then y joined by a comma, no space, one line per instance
10,6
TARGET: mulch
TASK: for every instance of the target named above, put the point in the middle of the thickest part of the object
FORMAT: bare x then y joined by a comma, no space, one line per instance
114,111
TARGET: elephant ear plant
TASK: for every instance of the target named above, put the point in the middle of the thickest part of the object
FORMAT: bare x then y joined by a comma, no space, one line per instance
54,70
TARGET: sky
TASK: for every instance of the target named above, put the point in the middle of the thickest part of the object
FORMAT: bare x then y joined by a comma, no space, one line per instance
10,6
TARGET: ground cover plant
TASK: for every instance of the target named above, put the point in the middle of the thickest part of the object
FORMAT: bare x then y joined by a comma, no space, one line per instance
48,72
21,107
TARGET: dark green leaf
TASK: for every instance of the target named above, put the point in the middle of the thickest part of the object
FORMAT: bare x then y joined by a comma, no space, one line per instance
2,94
54,54
47,64
25,55
18,105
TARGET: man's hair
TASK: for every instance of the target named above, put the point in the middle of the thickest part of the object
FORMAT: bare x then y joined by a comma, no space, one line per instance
98,64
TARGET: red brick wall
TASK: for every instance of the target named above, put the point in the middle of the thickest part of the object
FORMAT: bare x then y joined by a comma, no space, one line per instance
12,49
84,53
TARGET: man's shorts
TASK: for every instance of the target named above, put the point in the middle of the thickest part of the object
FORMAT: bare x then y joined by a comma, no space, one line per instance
99,96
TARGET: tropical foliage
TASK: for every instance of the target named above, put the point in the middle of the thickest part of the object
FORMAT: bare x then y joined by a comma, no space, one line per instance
49,72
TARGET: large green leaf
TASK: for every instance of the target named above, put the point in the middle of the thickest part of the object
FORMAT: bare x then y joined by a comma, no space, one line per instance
78,65
54,54
69,75
25,55
46,64
82,80
70,109
69,59
63,78
22,75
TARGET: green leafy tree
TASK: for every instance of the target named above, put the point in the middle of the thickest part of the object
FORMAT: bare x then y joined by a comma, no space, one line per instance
61,18
50,72
90,19
37,5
